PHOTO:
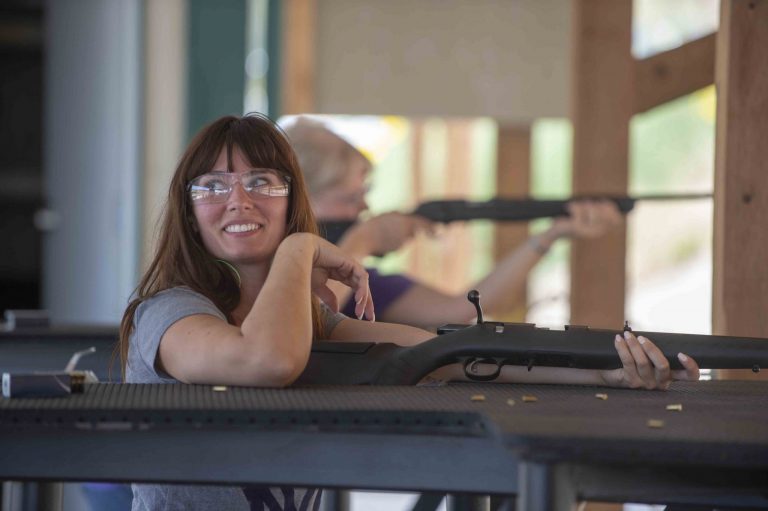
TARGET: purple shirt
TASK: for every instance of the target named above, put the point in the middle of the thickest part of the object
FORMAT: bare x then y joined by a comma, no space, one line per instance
385,290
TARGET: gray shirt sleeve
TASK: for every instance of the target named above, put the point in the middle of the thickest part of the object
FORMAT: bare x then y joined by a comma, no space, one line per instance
329,318
153,317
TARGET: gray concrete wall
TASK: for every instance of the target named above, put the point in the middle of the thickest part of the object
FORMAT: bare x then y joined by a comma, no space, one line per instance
91,158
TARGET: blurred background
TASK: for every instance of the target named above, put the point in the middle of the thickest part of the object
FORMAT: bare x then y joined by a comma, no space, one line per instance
99,97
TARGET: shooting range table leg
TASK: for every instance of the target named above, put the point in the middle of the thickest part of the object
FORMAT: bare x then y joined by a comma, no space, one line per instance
428,501
503,502
467,502
50,496
18,496
543,487
335,500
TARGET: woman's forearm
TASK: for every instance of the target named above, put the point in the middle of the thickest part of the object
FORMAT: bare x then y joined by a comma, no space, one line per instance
280,321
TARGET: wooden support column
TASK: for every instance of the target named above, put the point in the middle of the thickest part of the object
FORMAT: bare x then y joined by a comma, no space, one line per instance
513,179
672,74
740,287
417,171
457,235
602,104
297,78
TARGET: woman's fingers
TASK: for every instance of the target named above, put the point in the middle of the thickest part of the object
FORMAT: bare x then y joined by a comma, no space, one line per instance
330,262
662,376
691,371
610,212
591,218
645,368
422,224
363,301
631,378
369,312
645,365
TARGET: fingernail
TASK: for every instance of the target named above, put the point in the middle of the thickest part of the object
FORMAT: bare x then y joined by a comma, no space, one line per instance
627,335
360,317
681,357
617,338
641,339
359,300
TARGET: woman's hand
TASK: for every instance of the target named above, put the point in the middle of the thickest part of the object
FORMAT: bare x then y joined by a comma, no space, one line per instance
385,233
588,219
645,366
330,262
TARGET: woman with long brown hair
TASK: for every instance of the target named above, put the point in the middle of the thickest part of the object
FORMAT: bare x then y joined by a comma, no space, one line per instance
231,296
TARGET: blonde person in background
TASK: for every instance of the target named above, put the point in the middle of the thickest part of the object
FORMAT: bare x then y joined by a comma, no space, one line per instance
336,174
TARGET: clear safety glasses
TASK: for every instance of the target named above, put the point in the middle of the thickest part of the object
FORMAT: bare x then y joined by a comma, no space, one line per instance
216,186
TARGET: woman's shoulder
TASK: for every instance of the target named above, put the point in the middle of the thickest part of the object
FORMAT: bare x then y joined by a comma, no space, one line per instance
179,298
152,318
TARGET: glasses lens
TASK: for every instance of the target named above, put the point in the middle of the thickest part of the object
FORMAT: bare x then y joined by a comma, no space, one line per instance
216,186
211,187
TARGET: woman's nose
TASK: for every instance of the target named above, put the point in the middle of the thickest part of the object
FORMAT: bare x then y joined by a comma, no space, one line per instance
238,197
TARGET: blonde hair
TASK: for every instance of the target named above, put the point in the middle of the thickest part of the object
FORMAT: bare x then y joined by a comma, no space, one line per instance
323,155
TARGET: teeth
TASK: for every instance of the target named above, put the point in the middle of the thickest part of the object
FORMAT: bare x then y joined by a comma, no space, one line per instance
241,227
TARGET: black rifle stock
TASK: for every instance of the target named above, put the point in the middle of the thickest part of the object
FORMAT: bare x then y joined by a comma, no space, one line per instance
484,348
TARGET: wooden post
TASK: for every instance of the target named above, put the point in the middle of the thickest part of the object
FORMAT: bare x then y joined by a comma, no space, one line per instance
417,170
740,287
299,19
442,262
457,235
602,104
513,179
674,73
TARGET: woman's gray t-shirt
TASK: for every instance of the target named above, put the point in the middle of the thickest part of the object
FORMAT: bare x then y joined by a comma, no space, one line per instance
151,320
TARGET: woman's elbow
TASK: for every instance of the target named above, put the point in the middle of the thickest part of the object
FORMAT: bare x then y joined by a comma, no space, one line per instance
278,371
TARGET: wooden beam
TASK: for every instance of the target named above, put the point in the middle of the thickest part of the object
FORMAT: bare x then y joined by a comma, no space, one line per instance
299,21
674,73
740,287
513,178
602,103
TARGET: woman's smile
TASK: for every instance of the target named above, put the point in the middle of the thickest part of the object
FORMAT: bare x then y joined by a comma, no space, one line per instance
242,229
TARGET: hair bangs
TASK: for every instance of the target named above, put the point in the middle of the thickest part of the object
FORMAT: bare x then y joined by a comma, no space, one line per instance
263,146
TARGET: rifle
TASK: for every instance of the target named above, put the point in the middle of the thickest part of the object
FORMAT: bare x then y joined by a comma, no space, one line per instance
484,348
511,210
505,210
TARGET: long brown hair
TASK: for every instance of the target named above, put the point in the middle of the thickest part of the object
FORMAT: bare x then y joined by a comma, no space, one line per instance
180,257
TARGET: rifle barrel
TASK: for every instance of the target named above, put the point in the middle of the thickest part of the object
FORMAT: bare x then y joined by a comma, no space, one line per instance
510,210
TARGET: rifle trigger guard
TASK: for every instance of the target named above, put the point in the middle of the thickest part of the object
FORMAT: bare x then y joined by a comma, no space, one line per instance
471,367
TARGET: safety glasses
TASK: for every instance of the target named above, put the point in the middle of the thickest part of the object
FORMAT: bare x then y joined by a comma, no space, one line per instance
215,187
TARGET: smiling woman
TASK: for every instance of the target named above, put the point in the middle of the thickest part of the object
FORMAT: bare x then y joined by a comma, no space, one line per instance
237,223
237,292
